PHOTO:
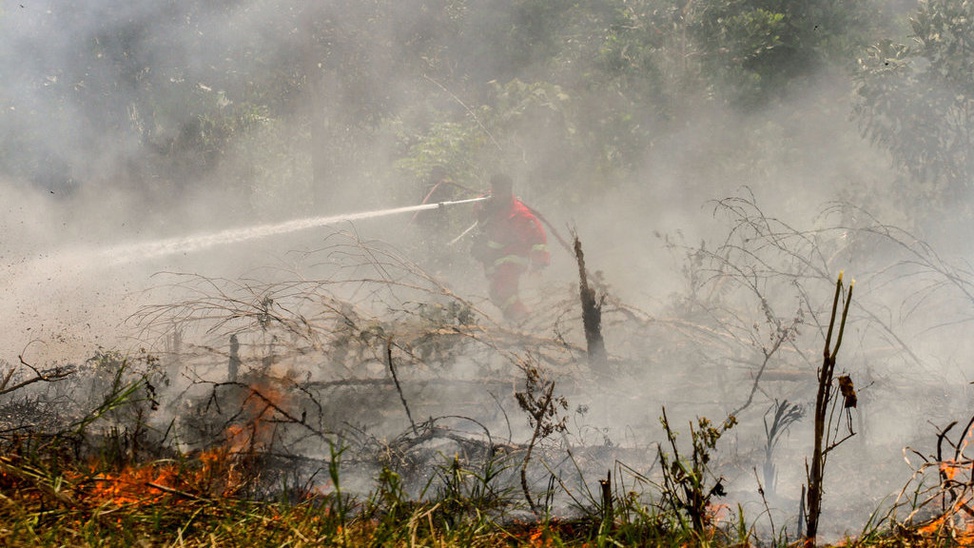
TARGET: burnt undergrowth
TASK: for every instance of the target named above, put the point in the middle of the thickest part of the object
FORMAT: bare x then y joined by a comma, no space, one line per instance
369,401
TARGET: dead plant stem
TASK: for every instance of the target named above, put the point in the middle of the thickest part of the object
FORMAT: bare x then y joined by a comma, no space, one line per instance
395,379
822,443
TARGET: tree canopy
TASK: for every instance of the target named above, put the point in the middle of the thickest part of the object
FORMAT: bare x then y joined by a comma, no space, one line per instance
254,96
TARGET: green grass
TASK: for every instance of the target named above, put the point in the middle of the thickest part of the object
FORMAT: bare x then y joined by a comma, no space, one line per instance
198,502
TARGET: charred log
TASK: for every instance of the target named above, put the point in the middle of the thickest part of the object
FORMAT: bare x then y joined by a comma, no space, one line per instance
591,312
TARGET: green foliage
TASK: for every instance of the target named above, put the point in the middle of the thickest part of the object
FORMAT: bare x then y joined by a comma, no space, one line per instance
456,145
467,497
917,100
688,483
389,507
293,99
741,48
519,117
119,389
625,76
752,51
784,416
340,503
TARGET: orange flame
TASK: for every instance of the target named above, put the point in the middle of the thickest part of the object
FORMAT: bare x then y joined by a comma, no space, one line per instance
958,519
255,431
214,472
134,485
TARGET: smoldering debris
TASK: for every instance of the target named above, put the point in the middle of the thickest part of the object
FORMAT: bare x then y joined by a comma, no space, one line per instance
136,122
368,359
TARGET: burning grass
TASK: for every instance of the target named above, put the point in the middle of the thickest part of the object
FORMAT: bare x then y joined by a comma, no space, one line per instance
165,503
376,405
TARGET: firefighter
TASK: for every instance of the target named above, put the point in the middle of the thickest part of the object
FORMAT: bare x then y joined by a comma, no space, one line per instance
511,242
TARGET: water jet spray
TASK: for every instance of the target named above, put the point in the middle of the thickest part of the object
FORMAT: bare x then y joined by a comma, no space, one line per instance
188,244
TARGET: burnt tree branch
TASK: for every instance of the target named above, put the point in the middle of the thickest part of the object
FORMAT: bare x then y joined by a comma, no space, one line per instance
591,311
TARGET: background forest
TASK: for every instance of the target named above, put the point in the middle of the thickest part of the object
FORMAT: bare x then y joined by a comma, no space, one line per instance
277,107
721,161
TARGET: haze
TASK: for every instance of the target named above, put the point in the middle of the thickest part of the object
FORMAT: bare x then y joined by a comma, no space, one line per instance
124,124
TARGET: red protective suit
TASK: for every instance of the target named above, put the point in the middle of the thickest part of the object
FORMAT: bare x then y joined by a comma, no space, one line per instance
512,241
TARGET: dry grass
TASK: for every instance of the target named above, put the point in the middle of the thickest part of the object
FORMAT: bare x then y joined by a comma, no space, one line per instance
323,422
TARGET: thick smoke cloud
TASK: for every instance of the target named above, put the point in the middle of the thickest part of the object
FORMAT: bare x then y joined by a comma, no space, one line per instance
138,121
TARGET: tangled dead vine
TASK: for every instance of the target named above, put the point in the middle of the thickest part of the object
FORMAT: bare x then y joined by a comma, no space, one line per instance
366,352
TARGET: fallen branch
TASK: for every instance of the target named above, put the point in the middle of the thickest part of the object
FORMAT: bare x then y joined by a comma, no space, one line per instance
395,378
50,375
